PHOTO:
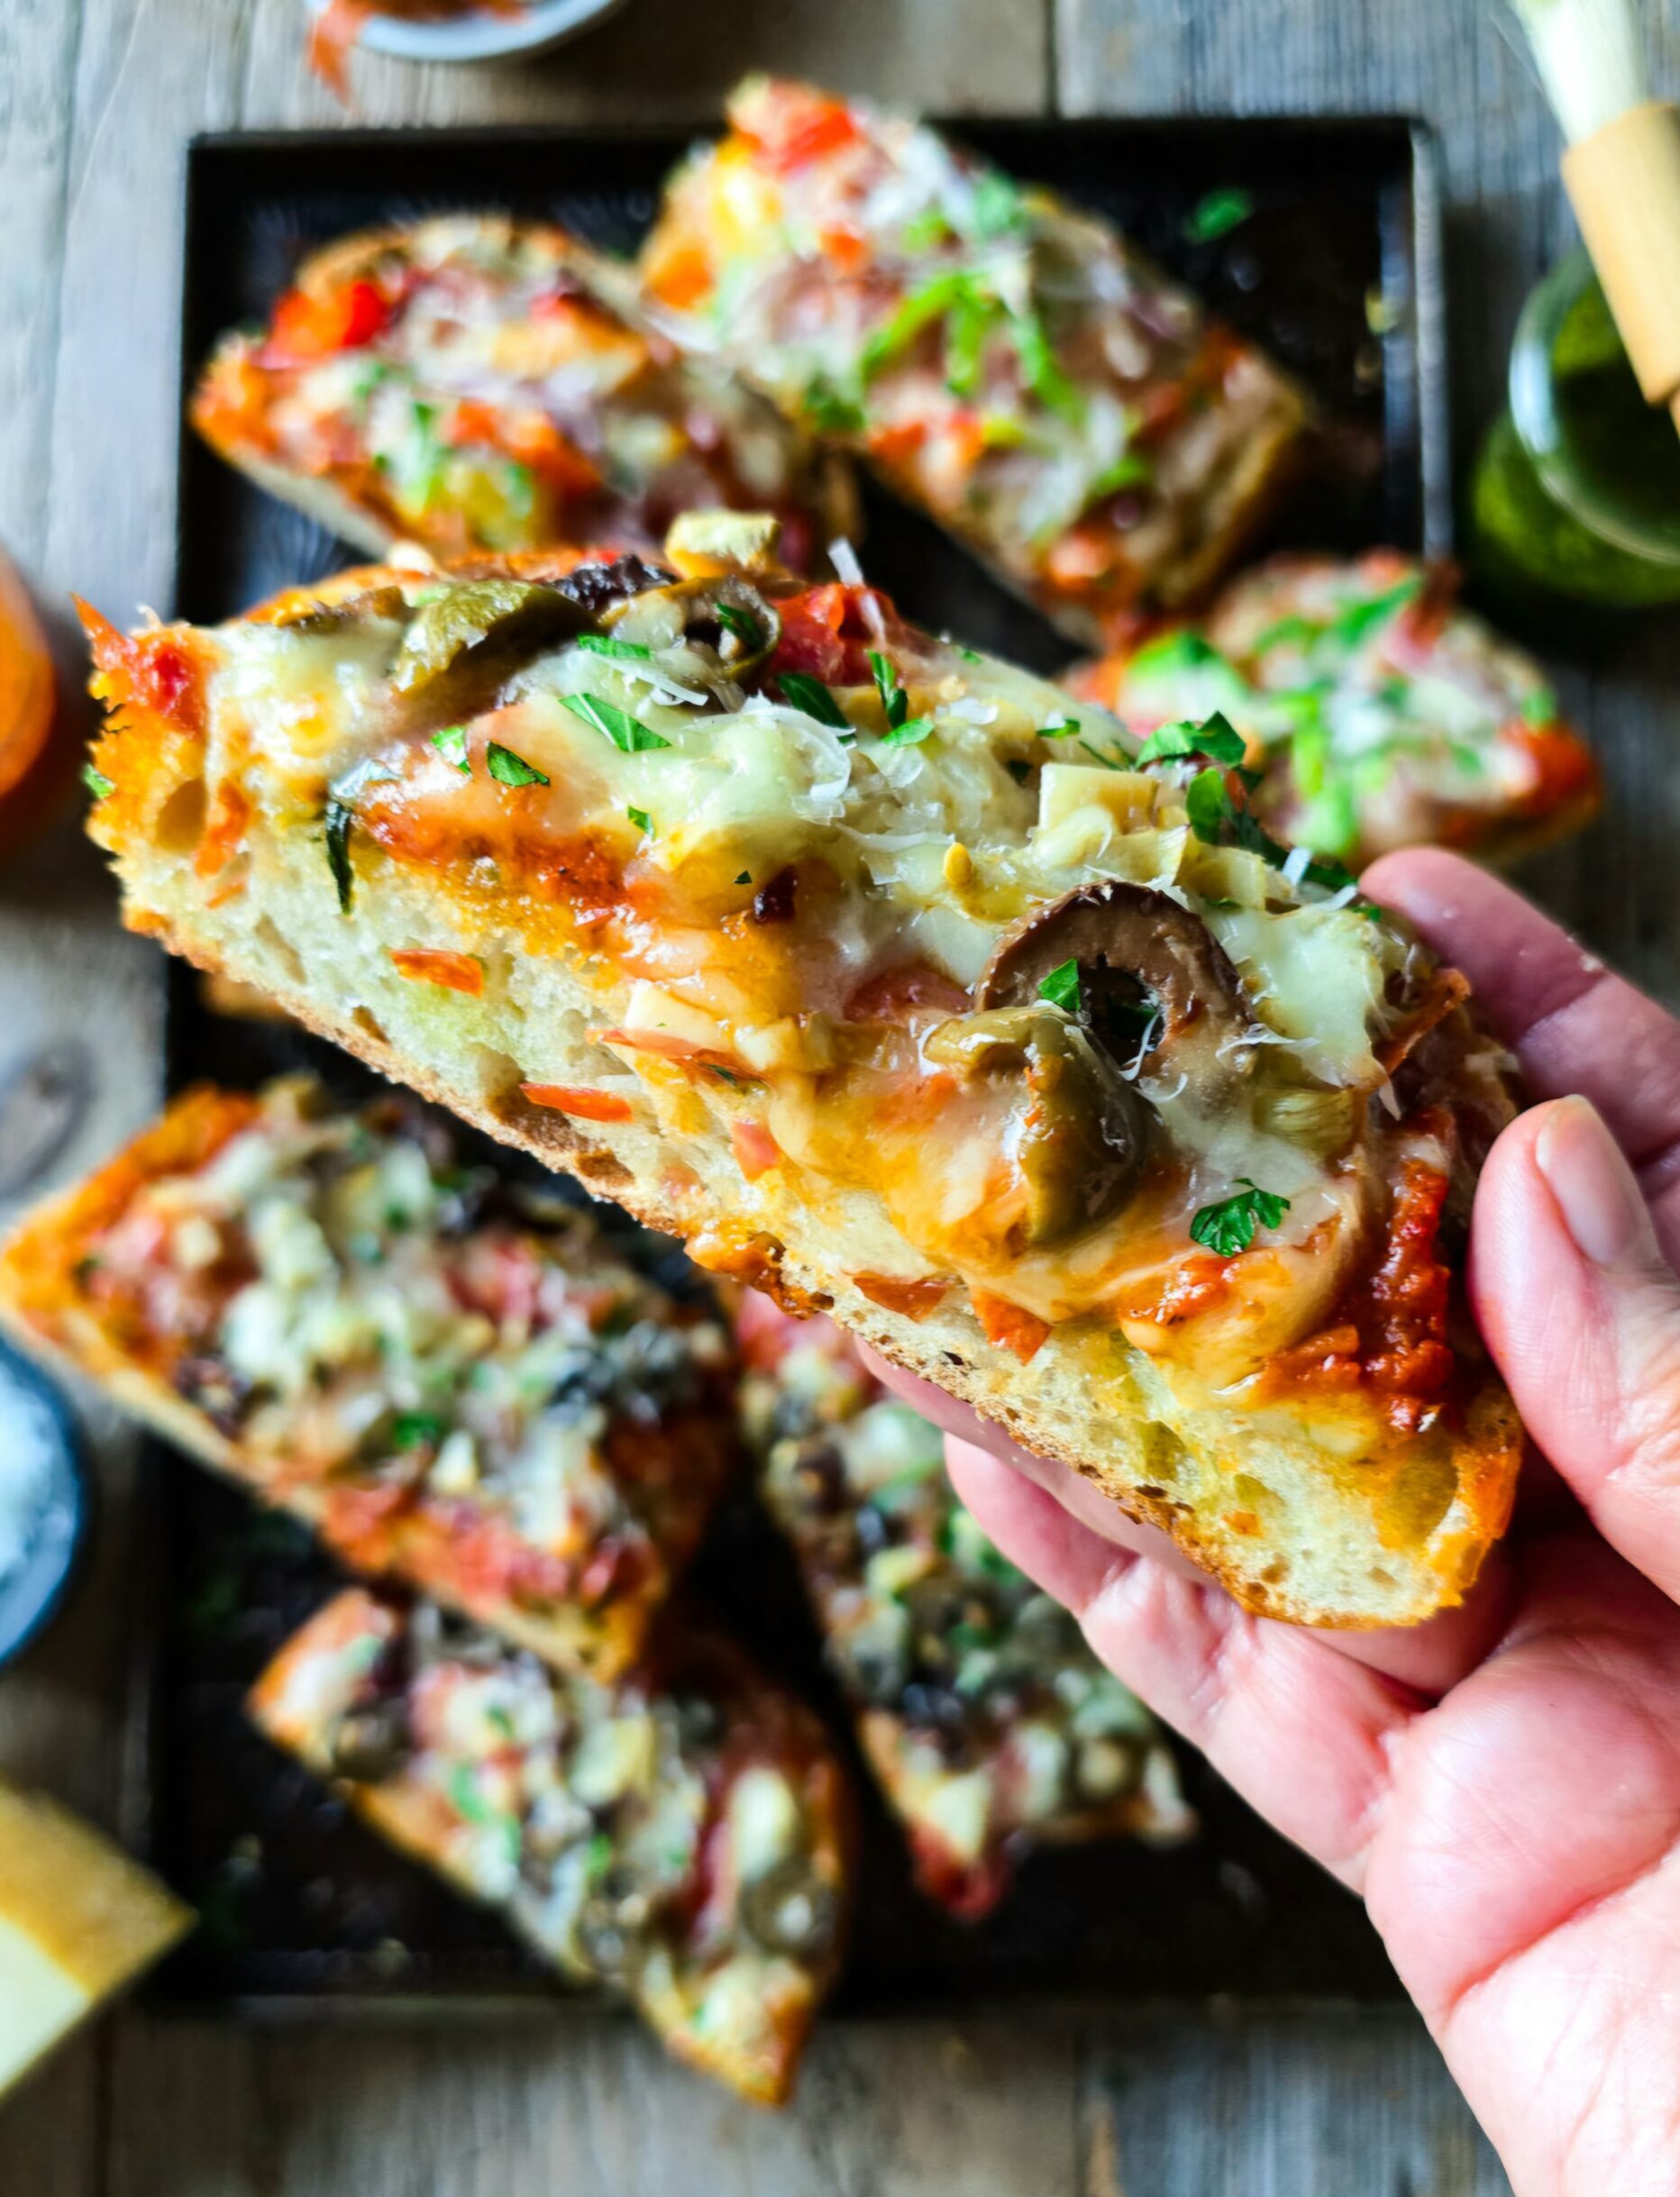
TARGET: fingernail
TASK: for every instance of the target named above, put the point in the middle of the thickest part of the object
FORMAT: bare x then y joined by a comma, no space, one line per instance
1594,1185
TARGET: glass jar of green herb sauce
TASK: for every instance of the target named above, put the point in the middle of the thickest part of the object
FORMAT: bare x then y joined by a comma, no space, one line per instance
1577,491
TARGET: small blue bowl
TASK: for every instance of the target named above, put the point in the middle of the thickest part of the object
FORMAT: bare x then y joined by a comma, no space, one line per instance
34,1590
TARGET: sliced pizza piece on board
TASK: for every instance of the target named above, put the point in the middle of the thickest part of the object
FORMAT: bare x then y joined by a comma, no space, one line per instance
989,1723
1384,714
451,1378
681,1835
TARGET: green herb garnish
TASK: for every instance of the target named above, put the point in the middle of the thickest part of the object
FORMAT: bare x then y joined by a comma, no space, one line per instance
829,410
1208,802
97,782
1216,737
340,814
604,645
510,769
1133,468
1040,369
740,623
893,699
1540,708
627,732
919,310
1350,626
1060,987
1229,1226
1183,651
452,745
640,818
811,696
909,734
470,1802
1059,728
1287,630
414,1429
745,878
999,208
1217,213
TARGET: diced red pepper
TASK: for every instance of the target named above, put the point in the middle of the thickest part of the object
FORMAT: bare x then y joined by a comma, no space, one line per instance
310,327
570,1099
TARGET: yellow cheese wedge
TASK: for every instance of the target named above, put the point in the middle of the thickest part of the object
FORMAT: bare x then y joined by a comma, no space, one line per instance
77,1921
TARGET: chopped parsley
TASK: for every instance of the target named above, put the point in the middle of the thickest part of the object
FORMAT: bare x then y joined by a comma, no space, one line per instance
903,731
1540,708
1352,625
829,410
1218,214
1229,1226
604,645
1040,369
1216,737
1060,987
510,769
340,814
740,623
627,732
920,309
999,208
1059,728
97,782
1133,468
469,1802
452,745
1183,651
1291,631
893,699
640,819
909,734
811,696
745,878
414,1429
972,320
1208,802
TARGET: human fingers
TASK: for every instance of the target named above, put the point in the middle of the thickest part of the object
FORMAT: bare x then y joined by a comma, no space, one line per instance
1429,1658
1574,1023
1303,1733
1582,1313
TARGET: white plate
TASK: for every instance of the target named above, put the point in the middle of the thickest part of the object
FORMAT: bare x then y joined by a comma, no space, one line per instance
483,35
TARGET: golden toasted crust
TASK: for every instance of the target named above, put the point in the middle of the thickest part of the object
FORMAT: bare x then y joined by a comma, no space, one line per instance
1369,1533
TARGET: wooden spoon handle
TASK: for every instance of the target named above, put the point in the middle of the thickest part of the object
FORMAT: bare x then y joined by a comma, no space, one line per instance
1624,184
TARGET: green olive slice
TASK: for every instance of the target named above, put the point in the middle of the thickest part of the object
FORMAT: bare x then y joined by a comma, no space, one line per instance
1085,1131
462,644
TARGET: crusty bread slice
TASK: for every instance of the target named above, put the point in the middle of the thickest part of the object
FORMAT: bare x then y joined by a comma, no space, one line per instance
1308,1509
447,1547
1249,1494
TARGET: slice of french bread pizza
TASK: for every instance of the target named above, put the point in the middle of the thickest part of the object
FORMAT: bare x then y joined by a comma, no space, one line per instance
980,1707
450,1376
476,382
855,959
682,1836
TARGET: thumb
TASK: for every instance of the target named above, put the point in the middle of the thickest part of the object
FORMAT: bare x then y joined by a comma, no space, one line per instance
1582,1313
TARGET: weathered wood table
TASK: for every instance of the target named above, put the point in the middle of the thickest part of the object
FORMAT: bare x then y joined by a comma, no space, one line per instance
98,98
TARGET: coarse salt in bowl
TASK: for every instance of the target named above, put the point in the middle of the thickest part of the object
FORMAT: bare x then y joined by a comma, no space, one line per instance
45,1502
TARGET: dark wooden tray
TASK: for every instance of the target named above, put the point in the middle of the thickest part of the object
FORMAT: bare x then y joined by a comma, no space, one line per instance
1336,270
